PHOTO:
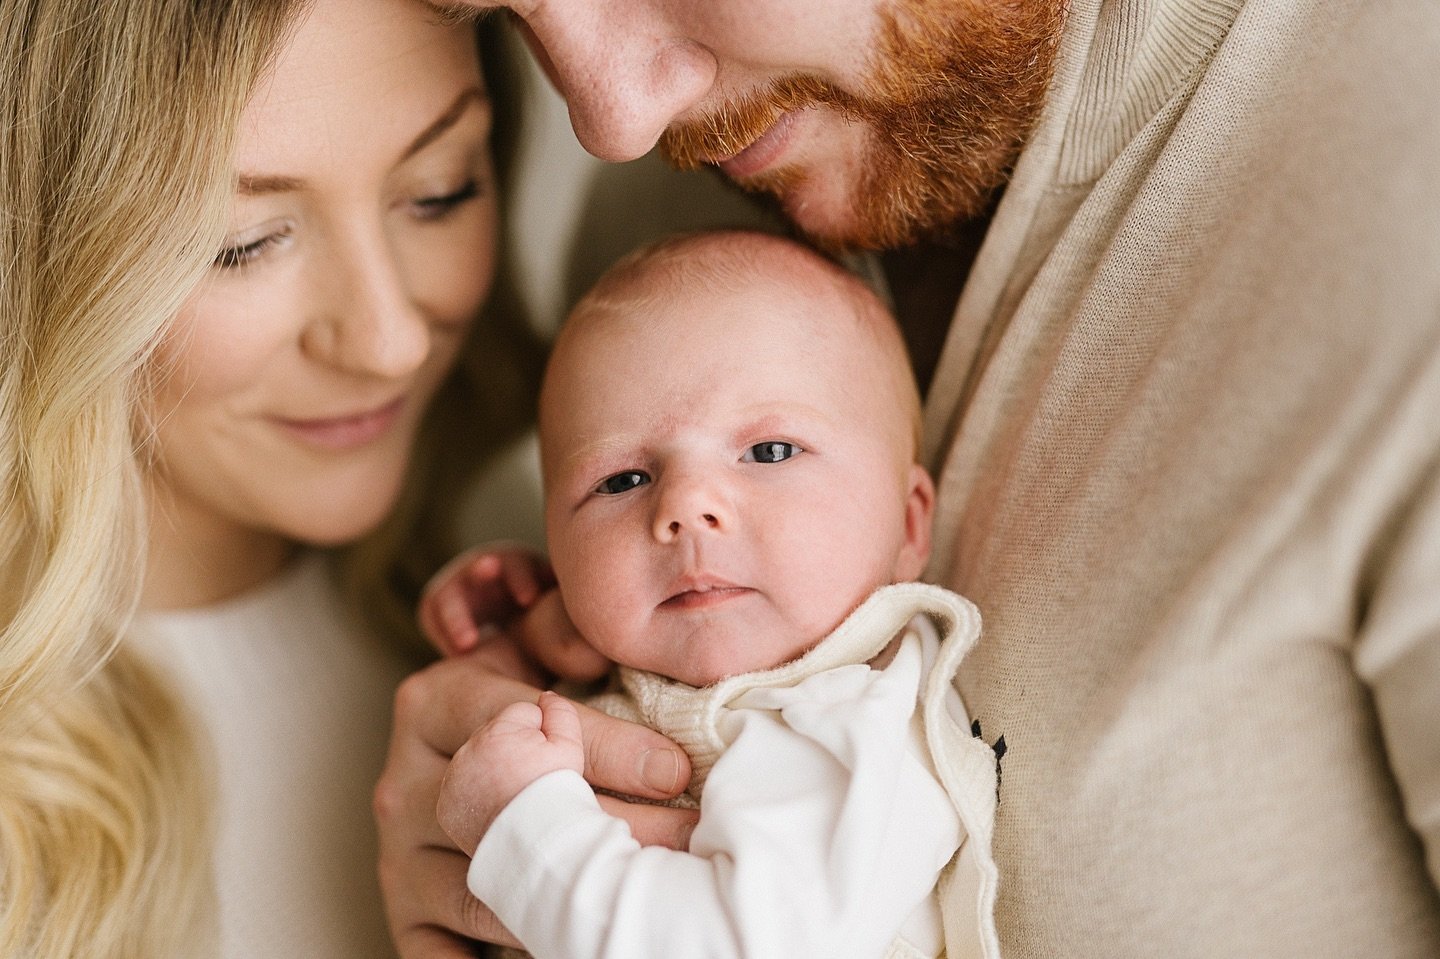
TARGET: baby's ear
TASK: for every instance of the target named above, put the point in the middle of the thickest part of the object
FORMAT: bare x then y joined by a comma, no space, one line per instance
919,514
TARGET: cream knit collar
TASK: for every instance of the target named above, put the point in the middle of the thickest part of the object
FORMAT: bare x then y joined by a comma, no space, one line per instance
691,716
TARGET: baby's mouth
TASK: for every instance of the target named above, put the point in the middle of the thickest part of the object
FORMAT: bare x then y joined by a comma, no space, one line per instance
699,593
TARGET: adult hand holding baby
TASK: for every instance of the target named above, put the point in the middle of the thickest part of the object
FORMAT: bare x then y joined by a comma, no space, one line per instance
522,743
439,708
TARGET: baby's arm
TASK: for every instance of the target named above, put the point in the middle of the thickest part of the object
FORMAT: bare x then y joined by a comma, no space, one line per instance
819,835
524,742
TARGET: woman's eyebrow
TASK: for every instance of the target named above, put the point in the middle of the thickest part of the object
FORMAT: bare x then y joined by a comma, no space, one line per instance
443,122
258,184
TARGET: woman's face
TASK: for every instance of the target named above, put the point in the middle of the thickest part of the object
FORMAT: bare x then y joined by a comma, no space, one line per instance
361,248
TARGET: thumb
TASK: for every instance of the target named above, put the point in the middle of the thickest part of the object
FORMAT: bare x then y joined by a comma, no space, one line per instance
560,722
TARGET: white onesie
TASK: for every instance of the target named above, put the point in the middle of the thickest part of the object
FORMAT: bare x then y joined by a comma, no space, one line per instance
833,799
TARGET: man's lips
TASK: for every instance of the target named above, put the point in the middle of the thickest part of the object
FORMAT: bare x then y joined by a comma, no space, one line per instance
762,152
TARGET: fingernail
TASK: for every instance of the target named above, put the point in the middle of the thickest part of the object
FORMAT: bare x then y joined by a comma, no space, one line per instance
660,770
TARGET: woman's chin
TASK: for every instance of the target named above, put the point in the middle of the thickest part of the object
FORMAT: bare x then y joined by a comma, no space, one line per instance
338,520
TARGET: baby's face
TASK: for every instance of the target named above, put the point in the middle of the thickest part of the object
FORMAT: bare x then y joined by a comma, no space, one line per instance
727,477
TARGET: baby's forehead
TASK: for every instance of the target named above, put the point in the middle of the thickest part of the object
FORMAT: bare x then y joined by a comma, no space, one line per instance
741,264
702,301
690,282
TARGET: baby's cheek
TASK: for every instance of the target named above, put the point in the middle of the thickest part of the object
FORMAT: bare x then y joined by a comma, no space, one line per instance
604,618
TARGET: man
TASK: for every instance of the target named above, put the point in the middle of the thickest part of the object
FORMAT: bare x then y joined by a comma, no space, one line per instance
1183,426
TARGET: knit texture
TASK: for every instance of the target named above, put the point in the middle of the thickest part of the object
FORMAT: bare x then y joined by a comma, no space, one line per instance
1185,435
965,765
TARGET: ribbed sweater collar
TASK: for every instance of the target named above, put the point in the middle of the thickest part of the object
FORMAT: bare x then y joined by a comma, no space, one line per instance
1118,64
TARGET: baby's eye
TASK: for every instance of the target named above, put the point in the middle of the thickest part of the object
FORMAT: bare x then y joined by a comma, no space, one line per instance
622,482
771,451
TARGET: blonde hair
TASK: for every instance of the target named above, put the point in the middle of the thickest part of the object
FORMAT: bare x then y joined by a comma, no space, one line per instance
117,126
117,123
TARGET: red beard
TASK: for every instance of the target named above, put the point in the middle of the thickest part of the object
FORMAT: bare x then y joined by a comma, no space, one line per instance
955,89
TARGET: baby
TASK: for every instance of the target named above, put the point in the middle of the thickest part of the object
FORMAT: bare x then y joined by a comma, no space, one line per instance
729,433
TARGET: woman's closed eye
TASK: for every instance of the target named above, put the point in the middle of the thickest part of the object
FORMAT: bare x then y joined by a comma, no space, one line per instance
245,250
622,482
771,451
438,207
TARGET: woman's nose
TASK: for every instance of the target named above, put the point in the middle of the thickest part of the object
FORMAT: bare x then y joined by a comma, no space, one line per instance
691,506
366,322
626,68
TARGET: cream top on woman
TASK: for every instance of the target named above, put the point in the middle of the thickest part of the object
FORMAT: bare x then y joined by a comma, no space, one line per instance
295,699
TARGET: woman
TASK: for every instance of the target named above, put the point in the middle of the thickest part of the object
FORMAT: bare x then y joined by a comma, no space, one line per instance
196,381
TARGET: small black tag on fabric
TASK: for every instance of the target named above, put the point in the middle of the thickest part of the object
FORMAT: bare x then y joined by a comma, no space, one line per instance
998,748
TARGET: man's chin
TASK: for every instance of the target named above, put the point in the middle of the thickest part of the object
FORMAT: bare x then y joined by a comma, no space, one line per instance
825,211
828,222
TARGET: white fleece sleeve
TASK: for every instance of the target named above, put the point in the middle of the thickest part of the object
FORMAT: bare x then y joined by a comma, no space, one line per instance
822,828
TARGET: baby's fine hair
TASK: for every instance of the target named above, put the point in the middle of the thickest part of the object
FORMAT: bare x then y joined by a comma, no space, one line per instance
727,261
719,259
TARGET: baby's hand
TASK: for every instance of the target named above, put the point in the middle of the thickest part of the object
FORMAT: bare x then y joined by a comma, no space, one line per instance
523,742
482,588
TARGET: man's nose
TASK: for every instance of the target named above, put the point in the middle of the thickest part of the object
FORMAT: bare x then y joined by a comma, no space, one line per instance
626,68
691,505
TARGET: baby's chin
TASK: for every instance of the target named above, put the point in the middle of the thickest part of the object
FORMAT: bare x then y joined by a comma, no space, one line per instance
715,664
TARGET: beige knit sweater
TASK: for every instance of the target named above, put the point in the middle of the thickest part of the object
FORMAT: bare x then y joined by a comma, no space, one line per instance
1187,434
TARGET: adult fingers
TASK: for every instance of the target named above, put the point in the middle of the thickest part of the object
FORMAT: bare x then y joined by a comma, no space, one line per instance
444,703
654,825
440,707
436,711
405,798
631,759
433,914
428,942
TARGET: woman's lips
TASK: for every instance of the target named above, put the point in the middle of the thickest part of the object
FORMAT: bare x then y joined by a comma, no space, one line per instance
345,432
762,152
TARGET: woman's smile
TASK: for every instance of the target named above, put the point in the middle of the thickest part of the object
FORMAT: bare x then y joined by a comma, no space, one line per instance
345,432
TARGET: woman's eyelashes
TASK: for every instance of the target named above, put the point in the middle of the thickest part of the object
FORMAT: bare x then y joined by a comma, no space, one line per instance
438,207
426,209
242,252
